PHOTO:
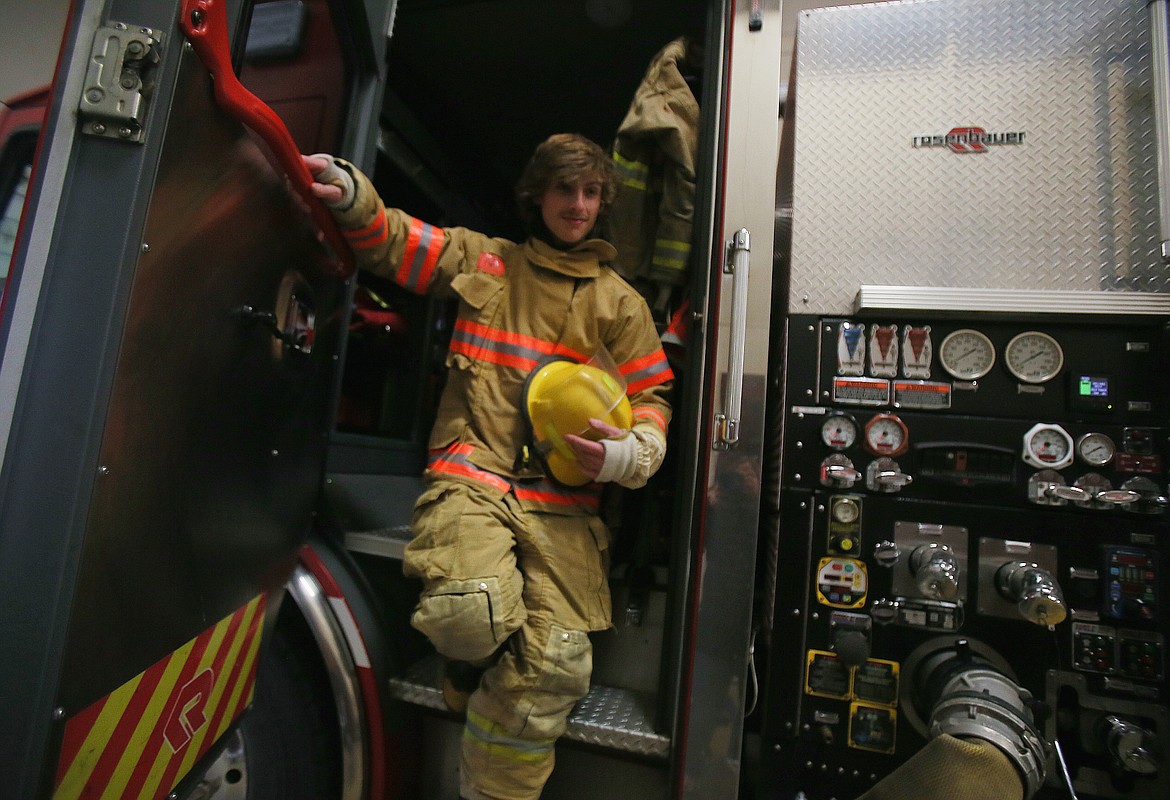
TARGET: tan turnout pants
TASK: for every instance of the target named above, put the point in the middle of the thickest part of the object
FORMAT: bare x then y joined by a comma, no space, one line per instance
525,587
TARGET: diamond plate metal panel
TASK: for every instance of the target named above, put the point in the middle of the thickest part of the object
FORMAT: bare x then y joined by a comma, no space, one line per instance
1065,199
607,716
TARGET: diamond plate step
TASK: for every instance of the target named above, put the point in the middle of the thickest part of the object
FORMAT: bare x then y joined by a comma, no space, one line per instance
610,717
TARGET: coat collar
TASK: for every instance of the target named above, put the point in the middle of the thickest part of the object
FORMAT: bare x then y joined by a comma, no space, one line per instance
582,261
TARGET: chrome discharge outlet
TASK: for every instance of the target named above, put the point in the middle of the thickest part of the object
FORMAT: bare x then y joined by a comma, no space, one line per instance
936,572
1035,592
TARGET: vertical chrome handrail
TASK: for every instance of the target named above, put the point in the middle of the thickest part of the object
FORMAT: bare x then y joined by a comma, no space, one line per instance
1160,56
739,252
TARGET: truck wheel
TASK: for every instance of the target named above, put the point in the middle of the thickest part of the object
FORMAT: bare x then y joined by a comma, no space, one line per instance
286,746
290,734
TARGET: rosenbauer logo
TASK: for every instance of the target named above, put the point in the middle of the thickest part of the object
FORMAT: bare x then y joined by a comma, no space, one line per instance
967,140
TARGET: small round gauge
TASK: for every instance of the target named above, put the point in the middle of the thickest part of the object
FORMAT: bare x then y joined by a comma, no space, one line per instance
966,354
1096,449
839,431
1033,357
886,435
845,510
1048,447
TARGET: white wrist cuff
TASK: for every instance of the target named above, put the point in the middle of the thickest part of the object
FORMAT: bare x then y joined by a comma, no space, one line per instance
621,459
336,175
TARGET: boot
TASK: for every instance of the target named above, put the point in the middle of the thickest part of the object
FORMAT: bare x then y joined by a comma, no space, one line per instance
460,679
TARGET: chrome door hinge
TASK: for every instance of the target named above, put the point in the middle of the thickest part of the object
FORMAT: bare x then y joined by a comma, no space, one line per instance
118,81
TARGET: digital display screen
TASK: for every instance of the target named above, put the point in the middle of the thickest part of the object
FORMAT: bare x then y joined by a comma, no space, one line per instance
1093,393
1094,386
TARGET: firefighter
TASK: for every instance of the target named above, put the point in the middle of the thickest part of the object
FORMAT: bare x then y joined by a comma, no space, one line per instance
513,562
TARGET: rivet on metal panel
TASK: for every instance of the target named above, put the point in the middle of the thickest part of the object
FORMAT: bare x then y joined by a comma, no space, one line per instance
58,713
796,612
275,452
796,476
103,470
145,247
800,445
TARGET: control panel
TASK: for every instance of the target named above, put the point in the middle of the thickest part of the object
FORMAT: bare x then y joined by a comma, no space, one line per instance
984,498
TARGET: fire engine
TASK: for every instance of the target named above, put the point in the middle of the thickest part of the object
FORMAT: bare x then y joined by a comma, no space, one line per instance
912,521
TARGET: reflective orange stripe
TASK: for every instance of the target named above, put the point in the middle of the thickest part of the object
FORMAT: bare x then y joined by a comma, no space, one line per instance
453,460
651,369
424,242
546,492
652,414
372,235
505,348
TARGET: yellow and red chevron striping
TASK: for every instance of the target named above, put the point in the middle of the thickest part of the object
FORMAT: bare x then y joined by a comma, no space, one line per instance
144,737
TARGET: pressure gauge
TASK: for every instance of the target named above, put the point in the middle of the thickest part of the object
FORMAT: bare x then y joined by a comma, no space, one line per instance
839,431
1048,447
1096,449
886,435
845,510
966,354
1033,357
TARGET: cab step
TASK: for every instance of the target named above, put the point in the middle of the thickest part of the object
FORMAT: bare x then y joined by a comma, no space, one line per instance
609,717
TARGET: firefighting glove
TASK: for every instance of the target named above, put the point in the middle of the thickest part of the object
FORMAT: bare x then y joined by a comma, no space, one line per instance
335,174
631,459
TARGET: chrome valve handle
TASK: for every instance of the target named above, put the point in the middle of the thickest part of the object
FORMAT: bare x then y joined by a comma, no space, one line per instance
936,572
1129,745
1035,592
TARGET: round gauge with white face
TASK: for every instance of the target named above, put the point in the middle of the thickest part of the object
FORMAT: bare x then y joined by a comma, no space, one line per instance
966,354
886,435
1033,357
839,431
1048,447
845,510
1096,449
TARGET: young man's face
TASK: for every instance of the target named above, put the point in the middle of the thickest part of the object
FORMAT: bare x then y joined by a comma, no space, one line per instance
570,208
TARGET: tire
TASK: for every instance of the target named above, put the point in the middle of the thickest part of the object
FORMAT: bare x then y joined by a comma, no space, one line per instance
290,736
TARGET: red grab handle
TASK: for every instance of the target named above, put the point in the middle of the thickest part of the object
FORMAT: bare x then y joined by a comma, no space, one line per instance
205,24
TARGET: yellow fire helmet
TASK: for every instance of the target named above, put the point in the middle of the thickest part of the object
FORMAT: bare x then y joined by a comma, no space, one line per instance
560,398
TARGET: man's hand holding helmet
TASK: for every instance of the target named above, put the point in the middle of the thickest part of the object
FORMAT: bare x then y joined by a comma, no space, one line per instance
591,455
627,458
583,425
